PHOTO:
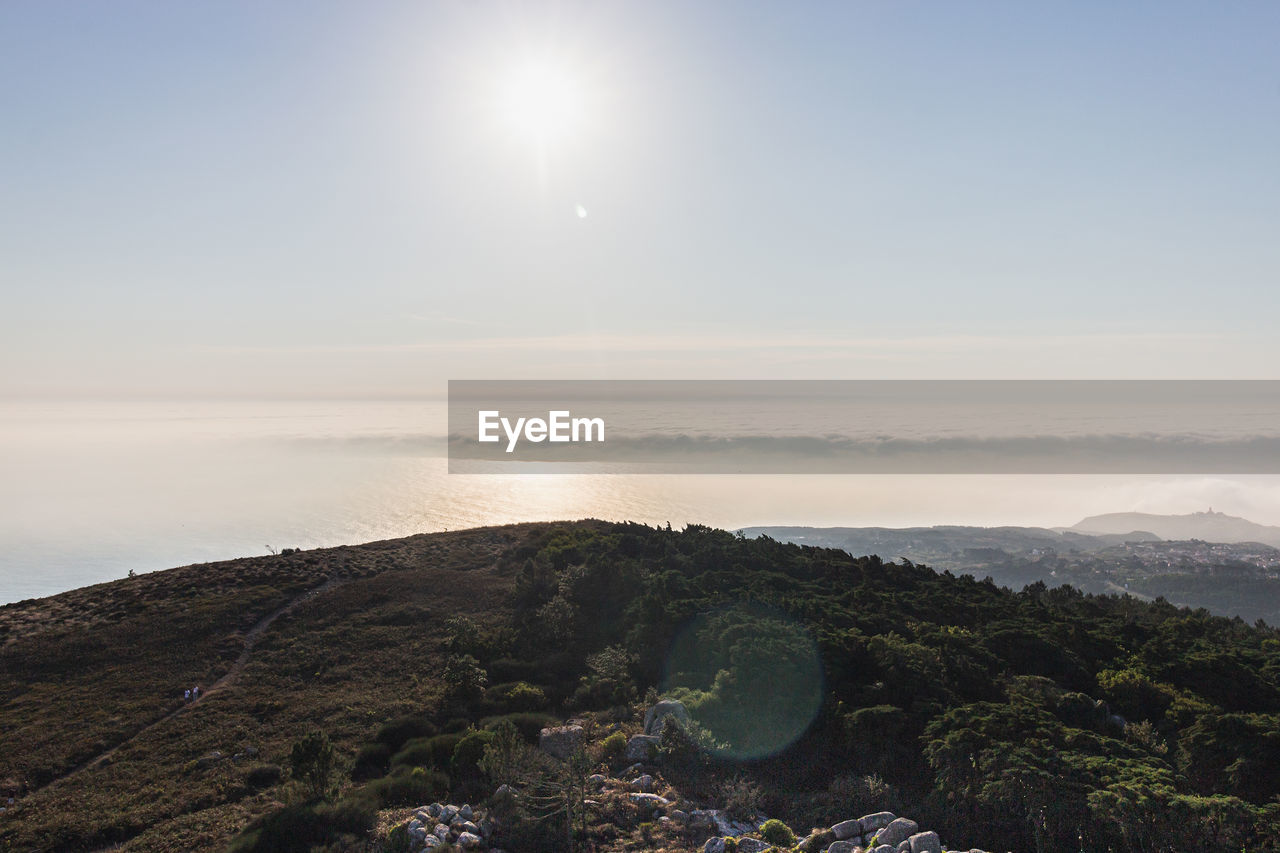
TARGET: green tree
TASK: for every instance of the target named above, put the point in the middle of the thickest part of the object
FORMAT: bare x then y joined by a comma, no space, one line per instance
313,762
464,677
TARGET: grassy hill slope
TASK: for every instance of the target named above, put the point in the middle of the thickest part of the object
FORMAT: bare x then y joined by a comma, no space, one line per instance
1041,719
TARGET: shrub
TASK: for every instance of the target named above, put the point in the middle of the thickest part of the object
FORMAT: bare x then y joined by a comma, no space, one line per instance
464,677
820,838
398,840
372,761
517,696
528,724
313,762
406,787
741,797
427,752
613,747
507,758
777,833
396,733
264,776
465,761
299,828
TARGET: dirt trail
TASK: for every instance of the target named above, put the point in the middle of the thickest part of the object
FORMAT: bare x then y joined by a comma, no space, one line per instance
250,639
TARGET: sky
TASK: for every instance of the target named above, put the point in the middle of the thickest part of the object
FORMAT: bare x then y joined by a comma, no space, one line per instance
336,199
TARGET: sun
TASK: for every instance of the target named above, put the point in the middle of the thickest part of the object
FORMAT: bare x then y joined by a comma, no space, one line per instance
542,100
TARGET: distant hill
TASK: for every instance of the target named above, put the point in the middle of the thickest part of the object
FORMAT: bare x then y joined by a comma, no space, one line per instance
1209,526
1228,579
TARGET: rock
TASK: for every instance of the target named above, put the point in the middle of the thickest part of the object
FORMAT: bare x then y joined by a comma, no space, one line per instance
560,741
725,825
431,842
872,822
467,826
210,759
642,747
925,842
650,800
441,831
842,847
882,848
465,812
643,783
655,716
898,831
713,845
904,846
846,829
596,780
679,816
434,809
633,769
469,840
753,845
447,814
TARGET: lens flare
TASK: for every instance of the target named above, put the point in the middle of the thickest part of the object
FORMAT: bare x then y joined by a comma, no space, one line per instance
750,675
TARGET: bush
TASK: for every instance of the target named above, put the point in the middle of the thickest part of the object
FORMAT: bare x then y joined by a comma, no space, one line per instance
529,725
517,696
777,833
741,797
613,747
820,838
406,787
264,776
427,752
465,763
299,828
398,840
396,733
313,762
373,760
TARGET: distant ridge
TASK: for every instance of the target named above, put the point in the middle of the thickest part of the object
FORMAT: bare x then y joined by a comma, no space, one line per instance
1209,526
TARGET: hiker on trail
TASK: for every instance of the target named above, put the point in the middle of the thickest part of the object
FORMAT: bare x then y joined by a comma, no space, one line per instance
186,695
195,692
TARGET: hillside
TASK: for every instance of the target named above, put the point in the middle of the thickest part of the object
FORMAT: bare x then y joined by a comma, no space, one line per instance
1240,579
829,684
1208,526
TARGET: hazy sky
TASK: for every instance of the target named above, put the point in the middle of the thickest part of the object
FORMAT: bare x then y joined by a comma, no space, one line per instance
333,198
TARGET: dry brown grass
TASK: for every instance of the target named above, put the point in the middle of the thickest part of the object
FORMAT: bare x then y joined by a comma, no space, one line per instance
91,669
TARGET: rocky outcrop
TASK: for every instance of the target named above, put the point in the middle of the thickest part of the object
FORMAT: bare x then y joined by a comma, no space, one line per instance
441,824
642,747
560,741
882,832
657,715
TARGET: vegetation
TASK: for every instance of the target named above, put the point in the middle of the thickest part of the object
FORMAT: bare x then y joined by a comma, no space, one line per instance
1044,719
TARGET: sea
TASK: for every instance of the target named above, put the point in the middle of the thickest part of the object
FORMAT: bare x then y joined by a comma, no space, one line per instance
91,490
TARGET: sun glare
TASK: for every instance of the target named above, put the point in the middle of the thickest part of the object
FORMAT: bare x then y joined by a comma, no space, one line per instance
543,101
